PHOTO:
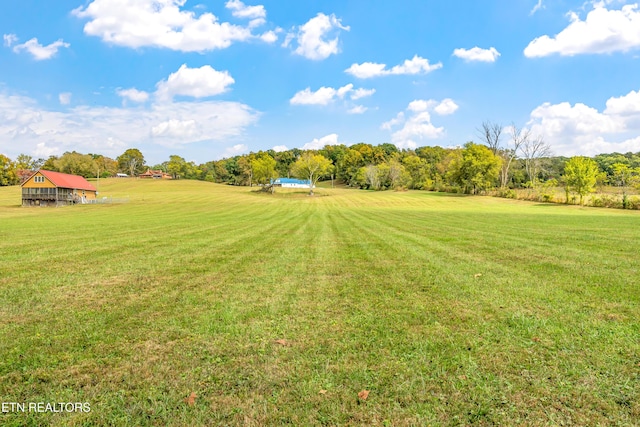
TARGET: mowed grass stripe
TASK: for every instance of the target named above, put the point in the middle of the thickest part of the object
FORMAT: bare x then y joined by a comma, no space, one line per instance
194,284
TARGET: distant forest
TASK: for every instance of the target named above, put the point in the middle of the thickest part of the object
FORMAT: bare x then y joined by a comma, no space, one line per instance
473,168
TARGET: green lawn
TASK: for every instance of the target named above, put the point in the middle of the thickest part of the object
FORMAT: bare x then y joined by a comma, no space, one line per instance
279,310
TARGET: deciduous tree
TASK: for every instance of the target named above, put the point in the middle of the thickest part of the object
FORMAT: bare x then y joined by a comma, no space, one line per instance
77,164
533,150
7,171
264,169
477,168
311,167
131,162
580,175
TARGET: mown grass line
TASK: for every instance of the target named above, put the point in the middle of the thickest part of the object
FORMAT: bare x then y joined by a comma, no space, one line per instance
189,287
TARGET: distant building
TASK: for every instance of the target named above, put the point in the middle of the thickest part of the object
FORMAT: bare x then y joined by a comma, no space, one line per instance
291,183
122,175
47,188
155,175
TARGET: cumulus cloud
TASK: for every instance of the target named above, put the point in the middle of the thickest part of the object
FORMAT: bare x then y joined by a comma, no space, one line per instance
316,144
240,10
30,128
602,31
581,129
196,82
626,105
133,95
318,38
280,148
165,24
269,37
64,98
419,105
417,124
326,95
38,51
477,54
446,107
416,65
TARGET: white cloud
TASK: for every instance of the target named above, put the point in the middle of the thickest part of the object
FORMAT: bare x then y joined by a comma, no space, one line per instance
322,96
269,37
27,127
581,129
446,107
362,93
65,98
326,95
419,105
398,119
537,7
196,82
280,148
38,51
602,31
477,54
133,94
316,144
43,151
162,23
416,65
240,10
9,39
625,105
181,129
341,92
358,109
417,125
318,38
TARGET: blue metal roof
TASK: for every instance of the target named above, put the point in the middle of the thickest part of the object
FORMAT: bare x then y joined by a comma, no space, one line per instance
290,181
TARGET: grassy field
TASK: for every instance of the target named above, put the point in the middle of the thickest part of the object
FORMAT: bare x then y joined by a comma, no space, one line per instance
279,310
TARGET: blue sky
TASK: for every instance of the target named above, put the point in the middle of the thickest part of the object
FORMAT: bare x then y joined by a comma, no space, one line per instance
208,79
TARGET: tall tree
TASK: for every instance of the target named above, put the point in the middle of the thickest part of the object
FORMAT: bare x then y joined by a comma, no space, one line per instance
416,167
8,174
623,176
580,175
77,164
311,167
24,161
533,150
176,166
131,162
264,169
106,166
508,154
490,133
476,169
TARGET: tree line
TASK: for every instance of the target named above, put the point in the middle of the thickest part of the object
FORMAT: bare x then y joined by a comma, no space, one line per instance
506,159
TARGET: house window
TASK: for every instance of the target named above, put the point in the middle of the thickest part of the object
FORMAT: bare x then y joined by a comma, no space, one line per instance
39,179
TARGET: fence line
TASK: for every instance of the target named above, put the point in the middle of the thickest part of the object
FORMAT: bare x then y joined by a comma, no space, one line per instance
107,200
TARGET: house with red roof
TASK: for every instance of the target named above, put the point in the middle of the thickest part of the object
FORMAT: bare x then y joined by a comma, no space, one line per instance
155,174
47,188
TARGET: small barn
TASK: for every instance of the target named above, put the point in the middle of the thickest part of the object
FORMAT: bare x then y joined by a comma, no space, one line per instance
47,188
291,183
